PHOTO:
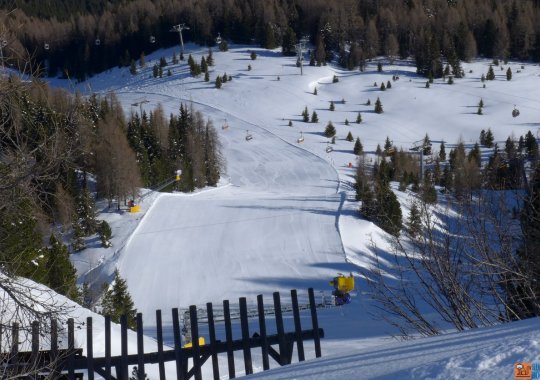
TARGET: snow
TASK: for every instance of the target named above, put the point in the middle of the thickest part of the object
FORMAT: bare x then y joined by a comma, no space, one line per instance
284,215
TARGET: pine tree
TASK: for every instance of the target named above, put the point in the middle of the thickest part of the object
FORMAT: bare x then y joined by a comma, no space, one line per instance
204,65
169,73
489,138
483,137
314,117
78,243
332,106
218,82
86,212
509,74
414,222
378,106
225,78
249,68
349,136
379,67
481,103
155,70
387,145
426,145
479,112
388,84
105,234
346,121
253,55
330,130
358,118
305,115
117,302
206,76
442,152
491,74
133,68
368,103
358,148
383,87
210,58
378,151
61,275
315,91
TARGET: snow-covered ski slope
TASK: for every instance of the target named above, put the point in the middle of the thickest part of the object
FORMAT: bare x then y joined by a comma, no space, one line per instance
284,215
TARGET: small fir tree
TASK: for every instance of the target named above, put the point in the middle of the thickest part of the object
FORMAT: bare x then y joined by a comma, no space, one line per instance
117,302
210,58
133,68
249,67
368,103
346,121
105,234
358,148
155,70
305,115
61,275
489,139
290,123
206,76
253,55
330,130
442,152
218,82
349,136
414,222
490,74
358,118
332,106
509,74
479,112
315,91
388,84
378,106
383,87
314,117
481,103
379,67
378,151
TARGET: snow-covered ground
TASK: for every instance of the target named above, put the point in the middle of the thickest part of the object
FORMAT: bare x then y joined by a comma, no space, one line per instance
284,215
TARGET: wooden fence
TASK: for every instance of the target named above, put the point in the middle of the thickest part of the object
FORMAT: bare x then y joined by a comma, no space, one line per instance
68,362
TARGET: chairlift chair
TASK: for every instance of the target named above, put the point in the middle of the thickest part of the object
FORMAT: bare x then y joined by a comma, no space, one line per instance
249,136
152,39
218,39
329,149
515,112
301,138
46,46
98,41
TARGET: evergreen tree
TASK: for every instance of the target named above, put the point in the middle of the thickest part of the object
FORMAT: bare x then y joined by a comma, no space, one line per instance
133,68
86,212
358,118
105,234
288,41
479,111
206,76
358,148
117,302
379,67
383,87
346,121
387,145
489,139
483,137
61,275
442,152
388,84
305,115
210,57
349,136
414,222
481,103
253,55
155,70
174,58
491,74
368,103
314,117
315,91
388,210
332,106
426,145
78,243
378,151
509,74
330,130
218,82
427,84
378,106
204,65
531,146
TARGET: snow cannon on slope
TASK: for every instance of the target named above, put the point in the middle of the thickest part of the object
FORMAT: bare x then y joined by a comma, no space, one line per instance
343,286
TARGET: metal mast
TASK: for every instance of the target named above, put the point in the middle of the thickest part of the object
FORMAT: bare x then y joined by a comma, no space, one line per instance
178,28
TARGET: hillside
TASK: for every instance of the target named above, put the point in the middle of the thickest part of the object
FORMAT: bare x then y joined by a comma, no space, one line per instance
285,216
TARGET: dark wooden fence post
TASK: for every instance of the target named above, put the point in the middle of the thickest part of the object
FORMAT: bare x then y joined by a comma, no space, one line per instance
280,330
35,344
89,349
140,347
297,326
71,349
314,323
123,375
161,363
54,349
15,343
108,346
248,365
229,338
195,342
212,334
178,346
262,331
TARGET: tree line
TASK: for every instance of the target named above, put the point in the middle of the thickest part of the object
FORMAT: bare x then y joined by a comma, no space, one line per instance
475,255
59,152
79,38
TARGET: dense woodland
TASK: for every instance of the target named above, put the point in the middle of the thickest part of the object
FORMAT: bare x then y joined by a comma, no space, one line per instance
60,151
86,37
